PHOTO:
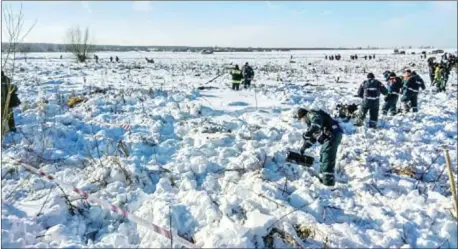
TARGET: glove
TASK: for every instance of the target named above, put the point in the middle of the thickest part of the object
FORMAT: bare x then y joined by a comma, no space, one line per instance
305,146
321,138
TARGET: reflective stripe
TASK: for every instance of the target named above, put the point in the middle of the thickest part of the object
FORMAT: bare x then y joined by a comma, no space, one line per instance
413,90
327,174
309,142
418,82
372,89
317,125
373,98
395,93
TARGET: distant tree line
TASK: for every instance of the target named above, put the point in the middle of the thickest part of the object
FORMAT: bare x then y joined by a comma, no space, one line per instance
49,47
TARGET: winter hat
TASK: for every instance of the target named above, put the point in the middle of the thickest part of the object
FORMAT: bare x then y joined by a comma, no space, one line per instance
392,74
370,76
301,112
408,71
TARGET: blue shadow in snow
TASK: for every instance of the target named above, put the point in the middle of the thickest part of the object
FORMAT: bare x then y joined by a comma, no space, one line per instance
238,103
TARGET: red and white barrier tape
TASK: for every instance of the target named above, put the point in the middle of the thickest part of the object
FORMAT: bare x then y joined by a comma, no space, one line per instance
110,207
126,127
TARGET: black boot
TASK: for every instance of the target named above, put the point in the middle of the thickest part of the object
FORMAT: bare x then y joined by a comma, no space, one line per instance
327,180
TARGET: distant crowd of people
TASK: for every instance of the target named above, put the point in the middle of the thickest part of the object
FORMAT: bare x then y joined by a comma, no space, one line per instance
336,57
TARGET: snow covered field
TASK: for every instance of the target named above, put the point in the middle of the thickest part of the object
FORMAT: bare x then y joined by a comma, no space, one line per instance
216,158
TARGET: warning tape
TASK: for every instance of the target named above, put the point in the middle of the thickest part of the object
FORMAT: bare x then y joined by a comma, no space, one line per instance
110,207
126,127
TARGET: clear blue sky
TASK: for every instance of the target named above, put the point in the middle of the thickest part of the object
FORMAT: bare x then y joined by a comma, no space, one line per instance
241,24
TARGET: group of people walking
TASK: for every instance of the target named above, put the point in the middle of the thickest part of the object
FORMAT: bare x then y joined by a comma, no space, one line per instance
439,72
355,57
324,129
336,57
407,87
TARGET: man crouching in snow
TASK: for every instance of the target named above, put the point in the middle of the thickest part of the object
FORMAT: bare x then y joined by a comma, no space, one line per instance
325,130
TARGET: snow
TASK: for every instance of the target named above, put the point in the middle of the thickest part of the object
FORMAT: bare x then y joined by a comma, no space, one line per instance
213,161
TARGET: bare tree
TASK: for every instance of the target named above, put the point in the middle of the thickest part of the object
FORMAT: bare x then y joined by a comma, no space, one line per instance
25,50
12,29
79,43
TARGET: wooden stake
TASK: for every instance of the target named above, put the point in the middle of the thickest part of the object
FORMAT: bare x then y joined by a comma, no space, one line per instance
170,224
452,182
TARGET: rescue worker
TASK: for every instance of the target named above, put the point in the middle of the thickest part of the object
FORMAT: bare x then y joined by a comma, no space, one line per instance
356,56
411,86
111,58
370,57
370,91
431,68
438,79
117,59
444,56
445,73
96,58
13,102
394,90
236,77
325,57
248,75
386,75
365,57
326,131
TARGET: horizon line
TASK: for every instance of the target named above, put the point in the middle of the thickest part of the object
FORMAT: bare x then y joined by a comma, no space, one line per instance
246,47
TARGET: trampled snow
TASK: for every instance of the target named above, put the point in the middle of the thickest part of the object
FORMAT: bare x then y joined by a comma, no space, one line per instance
213,160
